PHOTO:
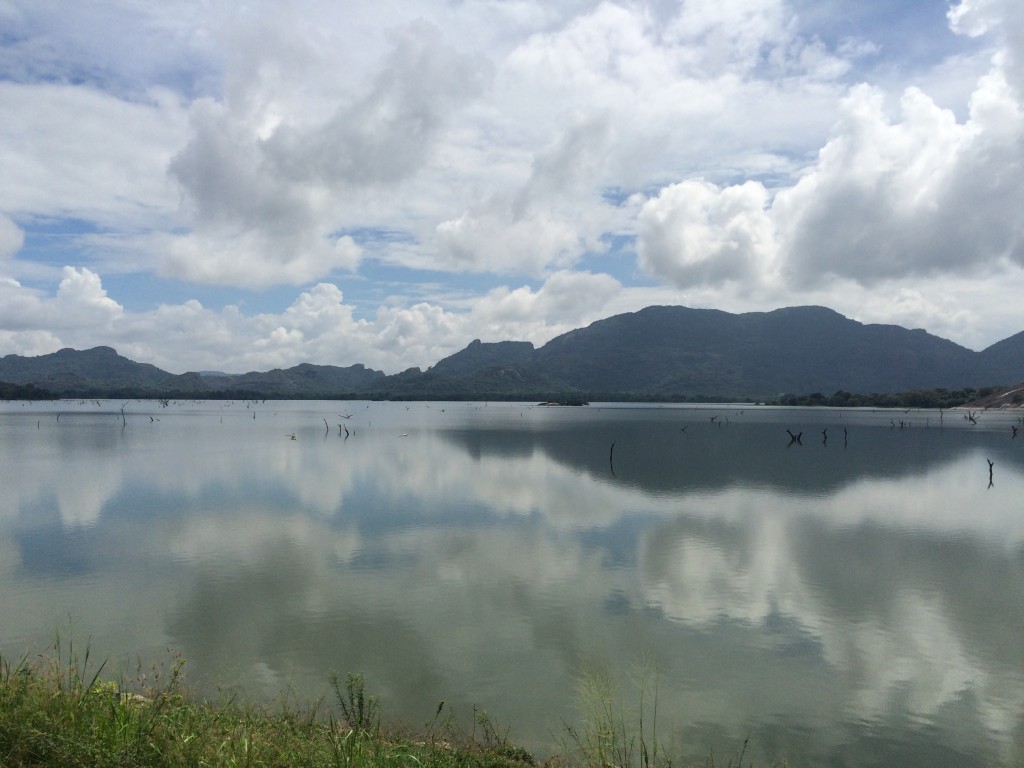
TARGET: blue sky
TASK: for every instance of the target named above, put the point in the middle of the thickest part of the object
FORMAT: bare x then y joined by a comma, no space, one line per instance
218,186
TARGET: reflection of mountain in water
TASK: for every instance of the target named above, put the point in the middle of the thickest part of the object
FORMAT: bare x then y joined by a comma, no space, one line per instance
660,457
851,606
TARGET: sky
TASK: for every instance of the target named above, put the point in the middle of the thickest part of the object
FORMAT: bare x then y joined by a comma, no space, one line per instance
241,186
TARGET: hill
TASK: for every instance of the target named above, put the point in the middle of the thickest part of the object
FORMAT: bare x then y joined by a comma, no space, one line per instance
676,350
300,381
659,353
92,372
102,372
1005,359
668,352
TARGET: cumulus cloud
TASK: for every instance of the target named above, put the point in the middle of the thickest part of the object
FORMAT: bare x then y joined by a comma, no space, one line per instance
386,134
1005,20
912,194
548,220
19,313
255,258
680,85
738,36
726,151
920,195
565,301
11,237
81,293
319,326
80,314
273,193
695,232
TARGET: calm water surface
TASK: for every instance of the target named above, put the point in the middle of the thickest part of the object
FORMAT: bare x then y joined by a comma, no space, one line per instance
853,599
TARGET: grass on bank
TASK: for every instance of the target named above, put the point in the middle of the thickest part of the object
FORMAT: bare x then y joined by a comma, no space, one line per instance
58,710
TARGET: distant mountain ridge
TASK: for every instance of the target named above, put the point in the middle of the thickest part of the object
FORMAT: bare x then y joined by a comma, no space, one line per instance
661,352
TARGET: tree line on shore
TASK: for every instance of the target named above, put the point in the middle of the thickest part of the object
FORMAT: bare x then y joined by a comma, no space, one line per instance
937,398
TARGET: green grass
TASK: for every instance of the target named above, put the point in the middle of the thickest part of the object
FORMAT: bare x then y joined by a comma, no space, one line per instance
56,709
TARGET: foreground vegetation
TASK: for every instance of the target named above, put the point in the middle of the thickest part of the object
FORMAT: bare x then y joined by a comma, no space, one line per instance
58,710
54,713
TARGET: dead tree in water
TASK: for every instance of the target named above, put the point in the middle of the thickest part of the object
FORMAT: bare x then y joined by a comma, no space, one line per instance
990,465
611,454
795,438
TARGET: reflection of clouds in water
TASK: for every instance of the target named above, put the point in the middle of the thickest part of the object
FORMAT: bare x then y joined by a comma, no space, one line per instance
449,564
79,495
906,643
900,657
534,474
951,499
315,477
85,489
445,609
699,581
447,584
517,486
242,537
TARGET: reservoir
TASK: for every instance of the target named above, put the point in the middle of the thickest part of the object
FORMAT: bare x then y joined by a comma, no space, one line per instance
851,597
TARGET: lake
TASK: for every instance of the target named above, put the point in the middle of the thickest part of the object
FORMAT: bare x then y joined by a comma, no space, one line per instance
854,598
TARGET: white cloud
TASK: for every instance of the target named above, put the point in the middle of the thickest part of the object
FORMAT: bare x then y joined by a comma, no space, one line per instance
735,35
549,221
1003,20
694,232
81,294
272,145
692,88
11,237
919,196
255,259
318,327
567,300
75,151
265,188
80,303
388,133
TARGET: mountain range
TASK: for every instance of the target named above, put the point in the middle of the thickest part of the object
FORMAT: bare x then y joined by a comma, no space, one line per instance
661,352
